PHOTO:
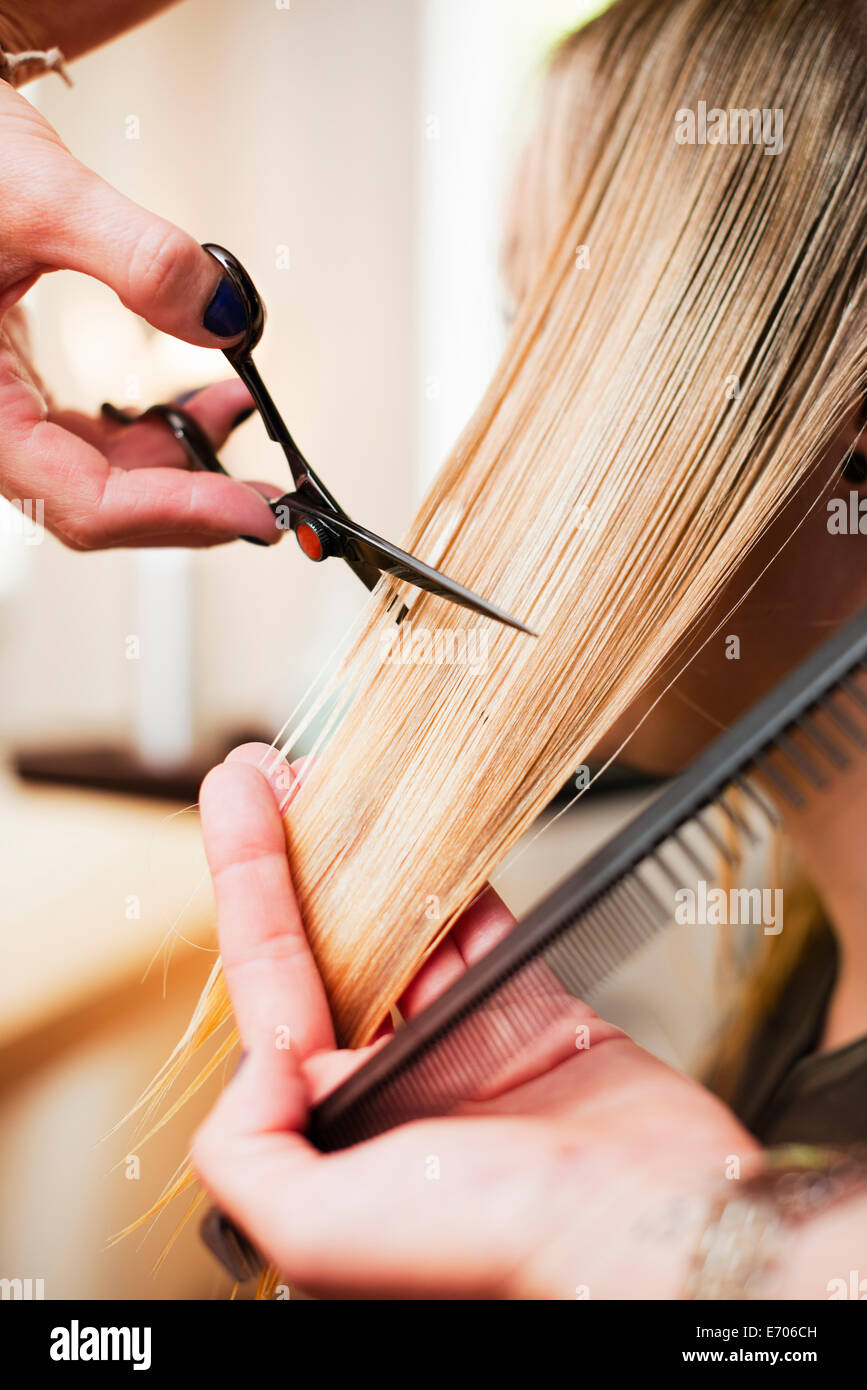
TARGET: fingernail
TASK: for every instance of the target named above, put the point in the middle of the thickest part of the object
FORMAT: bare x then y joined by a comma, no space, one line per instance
243,415
225,316
230,1247
188,395
277,534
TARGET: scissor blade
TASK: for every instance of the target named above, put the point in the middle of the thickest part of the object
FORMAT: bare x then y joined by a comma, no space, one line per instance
364,546
368,573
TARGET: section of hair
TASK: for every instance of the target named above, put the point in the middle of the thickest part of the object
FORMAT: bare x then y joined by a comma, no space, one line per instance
690,334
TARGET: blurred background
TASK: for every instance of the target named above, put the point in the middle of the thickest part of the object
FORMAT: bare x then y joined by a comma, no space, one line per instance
356,157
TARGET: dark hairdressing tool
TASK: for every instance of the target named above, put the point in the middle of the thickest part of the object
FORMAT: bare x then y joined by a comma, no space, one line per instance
610,907
322,528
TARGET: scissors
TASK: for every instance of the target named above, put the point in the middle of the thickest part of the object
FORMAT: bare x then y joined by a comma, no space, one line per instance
322,528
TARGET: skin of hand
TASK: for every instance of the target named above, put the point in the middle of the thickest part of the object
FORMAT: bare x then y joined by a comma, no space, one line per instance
103,484
586,1174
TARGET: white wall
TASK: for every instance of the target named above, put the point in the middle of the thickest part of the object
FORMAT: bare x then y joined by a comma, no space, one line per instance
479,68
259,128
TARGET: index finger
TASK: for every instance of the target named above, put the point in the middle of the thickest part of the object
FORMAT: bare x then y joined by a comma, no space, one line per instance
275,987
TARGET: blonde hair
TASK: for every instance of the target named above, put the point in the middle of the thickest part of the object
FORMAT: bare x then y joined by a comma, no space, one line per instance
611,481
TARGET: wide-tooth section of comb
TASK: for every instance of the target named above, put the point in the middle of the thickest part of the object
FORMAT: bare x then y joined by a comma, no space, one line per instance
508,1003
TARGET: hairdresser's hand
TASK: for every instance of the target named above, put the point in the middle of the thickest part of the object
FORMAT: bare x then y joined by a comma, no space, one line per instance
103,484
583,1176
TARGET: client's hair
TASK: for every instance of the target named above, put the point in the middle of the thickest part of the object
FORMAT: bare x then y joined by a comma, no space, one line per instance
664,391
691,331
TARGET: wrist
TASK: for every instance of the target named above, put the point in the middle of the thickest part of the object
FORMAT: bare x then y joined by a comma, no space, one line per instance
826,1257
792,1229
623,1231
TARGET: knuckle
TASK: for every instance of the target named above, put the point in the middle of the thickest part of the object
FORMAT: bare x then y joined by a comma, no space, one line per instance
83,528
161,262
78,535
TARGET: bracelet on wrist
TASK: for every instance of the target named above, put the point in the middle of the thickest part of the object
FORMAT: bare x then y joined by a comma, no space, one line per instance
739,1251
22,67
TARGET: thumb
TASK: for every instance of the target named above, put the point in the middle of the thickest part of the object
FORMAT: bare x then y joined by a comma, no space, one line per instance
252,1142
156,269
268,1094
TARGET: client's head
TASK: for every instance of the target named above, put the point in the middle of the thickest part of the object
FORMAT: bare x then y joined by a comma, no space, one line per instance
770,75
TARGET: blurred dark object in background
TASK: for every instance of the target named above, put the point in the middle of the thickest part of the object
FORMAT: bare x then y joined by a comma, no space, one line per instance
117,769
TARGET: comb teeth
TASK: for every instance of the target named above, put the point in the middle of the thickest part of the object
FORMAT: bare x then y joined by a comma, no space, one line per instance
753,793
853,689
804,764
827,747
639,902
846,725
784,786
730,854
614,904
736,819
679,839
660,862
479,1046
649,895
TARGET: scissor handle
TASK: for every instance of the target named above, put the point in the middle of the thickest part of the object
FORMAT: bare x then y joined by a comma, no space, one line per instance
187,431
250,297
240,356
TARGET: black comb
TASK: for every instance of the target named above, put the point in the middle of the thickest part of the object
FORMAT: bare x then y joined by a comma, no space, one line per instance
792,741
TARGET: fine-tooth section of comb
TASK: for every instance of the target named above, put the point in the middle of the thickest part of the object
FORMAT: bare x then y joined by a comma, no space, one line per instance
736,820
845,725
507,1005
816,735
765,807
855,692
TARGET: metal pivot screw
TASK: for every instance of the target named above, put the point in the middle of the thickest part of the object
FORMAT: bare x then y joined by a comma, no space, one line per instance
315,539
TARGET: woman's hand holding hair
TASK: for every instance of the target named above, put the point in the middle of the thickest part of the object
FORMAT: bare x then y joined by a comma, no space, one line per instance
103,484
586,1176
